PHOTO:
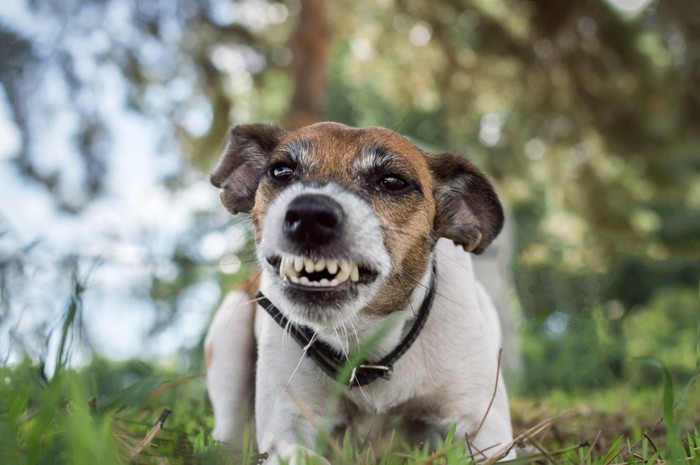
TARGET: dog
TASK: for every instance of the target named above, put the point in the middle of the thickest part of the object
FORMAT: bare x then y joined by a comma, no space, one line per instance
369,315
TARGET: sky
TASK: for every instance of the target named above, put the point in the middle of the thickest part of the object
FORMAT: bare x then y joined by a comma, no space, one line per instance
131,230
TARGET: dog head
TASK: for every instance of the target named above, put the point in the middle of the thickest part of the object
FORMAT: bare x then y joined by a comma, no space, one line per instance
345,218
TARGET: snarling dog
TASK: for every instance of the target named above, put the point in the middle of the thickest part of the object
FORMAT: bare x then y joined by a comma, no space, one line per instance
364,242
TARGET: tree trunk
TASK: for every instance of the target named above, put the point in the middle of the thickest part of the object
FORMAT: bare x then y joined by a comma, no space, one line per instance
310,46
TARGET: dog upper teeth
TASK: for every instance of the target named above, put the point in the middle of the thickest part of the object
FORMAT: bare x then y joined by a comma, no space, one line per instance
354,274
298,263
298,270
320,265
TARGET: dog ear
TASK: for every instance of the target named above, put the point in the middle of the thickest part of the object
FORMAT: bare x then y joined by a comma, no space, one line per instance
241,166
468,210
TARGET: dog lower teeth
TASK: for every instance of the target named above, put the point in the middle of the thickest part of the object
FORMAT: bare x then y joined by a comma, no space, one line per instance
318,273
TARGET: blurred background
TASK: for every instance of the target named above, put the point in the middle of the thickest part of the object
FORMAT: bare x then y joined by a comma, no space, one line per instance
113,244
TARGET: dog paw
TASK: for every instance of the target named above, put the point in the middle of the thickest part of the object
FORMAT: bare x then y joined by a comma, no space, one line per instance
292,454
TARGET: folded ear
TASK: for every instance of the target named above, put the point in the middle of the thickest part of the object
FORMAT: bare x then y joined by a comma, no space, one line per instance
468,210
241,166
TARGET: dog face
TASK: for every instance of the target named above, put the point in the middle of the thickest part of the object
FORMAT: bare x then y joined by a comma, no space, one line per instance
346,218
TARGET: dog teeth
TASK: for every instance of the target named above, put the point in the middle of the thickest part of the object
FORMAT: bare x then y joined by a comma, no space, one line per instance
332,266
355,274
320,265
344,272
298,270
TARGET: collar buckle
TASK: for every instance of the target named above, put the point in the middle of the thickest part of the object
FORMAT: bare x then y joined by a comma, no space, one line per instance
369,371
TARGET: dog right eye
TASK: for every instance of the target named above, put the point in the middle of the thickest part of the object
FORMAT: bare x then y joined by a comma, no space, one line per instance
281,172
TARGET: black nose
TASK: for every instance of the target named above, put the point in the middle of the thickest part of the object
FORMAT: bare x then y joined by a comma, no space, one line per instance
313,219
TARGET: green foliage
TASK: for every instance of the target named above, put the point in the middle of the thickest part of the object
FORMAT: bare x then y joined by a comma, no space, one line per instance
101,413
593,346
583,358
50,421
665,328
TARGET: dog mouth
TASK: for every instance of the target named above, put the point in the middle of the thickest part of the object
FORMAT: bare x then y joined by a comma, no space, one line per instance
320,274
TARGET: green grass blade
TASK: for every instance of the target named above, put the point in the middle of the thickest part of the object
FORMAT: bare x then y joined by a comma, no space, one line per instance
675,447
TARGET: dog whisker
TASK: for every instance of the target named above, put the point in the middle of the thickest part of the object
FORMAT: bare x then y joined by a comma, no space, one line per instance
347,337
357,337
253,301
396,129
368,400
286,335
301,359
344,331
340,343
418,283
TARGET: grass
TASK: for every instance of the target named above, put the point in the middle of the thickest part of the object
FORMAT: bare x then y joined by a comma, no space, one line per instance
133,413
130,413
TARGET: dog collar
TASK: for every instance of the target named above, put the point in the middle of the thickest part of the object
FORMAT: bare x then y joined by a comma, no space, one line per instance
332,362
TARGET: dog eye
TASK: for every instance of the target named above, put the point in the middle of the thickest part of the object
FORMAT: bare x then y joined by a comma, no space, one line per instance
393,183
281,172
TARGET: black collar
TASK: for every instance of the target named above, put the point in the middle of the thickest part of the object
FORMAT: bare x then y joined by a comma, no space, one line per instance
332,362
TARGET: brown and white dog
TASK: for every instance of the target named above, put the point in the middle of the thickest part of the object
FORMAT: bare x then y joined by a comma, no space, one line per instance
363,241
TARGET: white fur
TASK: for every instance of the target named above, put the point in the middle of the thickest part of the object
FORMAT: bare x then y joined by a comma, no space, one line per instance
231,366
449,373
361,240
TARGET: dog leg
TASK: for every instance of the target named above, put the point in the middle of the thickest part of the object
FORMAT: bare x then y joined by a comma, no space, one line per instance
483,421
291,400
290,434
230,361
493,436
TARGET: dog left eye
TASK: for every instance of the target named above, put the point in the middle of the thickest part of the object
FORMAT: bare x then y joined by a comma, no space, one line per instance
393,183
